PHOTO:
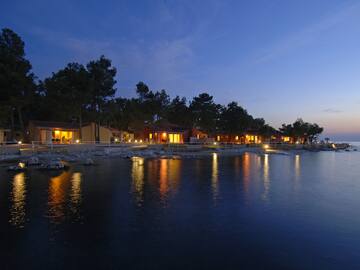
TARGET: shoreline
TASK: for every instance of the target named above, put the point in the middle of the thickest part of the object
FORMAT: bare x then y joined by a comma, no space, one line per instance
81,153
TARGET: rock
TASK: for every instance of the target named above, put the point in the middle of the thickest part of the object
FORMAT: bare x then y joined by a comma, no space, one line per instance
89,162
33,161
54,165
21,166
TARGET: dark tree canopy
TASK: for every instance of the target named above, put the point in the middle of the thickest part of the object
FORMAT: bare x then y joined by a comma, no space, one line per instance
205,112
17,87
234,119
300,129
179,113
87,93
101,81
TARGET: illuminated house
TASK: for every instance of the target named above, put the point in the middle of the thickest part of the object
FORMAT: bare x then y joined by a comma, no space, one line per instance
4,134
248,138
47,132
199,136
121,135
53,132
164,132
91,133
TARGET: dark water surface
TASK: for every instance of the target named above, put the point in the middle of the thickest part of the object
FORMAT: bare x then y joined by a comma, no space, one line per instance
246,212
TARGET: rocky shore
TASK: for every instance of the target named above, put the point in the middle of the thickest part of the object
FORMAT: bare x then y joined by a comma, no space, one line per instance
89,155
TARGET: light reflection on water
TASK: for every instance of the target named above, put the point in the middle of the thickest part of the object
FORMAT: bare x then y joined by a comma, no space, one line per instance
64,196
169,178
297,167
163,175
57,196
137,174
75,194
215,177
18,197
246,171
187,206
266,177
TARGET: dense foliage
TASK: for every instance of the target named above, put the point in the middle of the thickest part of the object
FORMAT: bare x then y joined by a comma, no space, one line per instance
87,93
301,130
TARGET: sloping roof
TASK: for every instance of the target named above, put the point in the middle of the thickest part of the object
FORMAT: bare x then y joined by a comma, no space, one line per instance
51,124
164,125
118,131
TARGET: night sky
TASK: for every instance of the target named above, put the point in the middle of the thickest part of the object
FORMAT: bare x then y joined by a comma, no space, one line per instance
279,59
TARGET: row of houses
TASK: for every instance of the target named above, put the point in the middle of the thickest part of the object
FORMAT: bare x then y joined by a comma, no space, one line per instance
46,132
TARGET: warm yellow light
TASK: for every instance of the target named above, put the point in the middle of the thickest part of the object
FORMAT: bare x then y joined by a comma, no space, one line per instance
333,146
266,146
57,132
141,141
164,134
150,136
77,141
19,142
215,143
129,141
286,139
136,141
116,139
21,165
237,138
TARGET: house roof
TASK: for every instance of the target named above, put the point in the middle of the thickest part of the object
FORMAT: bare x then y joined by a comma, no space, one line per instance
51,124
164,125
115,130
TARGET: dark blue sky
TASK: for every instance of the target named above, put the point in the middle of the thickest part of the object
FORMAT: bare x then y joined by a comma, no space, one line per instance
279,59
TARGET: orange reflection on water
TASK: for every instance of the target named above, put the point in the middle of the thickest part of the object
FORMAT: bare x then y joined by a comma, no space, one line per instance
297,166
137,174
169,177
215,176
246,170
75,194
266,176
164,181
57,196
297,169
18,196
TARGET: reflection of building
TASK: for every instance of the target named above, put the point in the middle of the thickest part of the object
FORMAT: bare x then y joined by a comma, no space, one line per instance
246,170
57,196
169,176
18,196
214,176
75,194
53,132
137,174
266,177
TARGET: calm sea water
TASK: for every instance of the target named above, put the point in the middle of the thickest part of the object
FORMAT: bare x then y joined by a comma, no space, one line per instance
245,212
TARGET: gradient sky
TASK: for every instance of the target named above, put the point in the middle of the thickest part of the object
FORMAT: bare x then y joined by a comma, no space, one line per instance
279,59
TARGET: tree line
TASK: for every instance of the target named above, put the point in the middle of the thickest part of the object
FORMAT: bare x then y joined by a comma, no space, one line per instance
82,93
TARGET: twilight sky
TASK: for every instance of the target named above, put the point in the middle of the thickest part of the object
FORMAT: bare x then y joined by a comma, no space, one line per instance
279,59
